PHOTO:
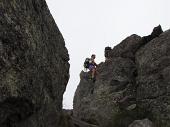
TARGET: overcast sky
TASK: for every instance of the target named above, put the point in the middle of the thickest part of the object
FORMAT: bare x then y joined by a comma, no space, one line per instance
88,26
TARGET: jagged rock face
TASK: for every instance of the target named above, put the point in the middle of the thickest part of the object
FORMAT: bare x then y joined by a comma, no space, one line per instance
95,102
153,80
34,67
133,84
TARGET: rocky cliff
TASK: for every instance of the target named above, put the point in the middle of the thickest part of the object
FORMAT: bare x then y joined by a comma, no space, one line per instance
34,67
132,84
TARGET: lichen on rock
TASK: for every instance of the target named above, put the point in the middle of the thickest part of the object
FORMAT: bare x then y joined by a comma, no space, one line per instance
34,68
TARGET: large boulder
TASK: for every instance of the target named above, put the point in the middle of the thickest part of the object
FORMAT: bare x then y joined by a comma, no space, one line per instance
133,83
34,68
128,47
142,123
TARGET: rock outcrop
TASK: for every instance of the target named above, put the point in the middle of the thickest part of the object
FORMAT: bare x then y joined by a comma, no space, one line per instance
34,68
132,84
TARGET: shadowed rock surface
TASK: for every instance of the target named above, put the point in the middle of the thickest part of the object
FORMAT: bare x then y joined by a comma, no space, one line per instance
132,84
34,68
68,120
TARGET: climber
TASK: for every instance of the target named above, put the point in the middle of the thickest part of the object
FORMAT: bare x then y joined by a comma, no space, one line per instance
92,67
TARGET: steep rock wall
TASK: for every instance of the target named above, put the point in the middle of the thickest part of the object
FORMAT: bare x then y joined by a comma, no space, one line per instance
132,84
34,68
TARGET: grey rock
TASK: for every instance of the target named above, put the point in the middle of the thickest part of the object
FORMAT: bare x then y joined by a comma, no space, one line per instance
94,102
131,107
132,84
156,32
128,47
79,123
34,68
153,65
67,120
107,52
142,123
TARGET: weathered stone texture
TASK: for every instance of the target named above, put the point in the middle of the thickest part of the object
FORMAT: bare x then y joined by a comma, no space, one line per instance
133,83
142,123
34,68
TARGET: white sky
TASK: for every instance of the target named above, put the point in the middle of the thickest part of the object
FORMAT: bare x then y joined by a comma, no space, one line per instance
88,26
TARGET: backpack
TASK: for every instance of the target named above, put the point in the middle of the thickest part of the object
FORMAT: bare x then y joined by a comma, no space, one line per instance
86,63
